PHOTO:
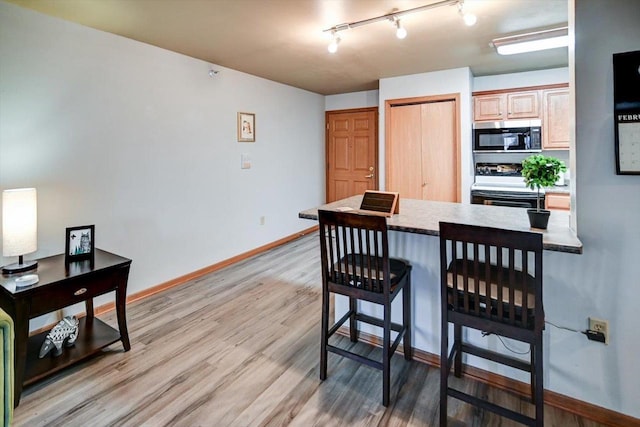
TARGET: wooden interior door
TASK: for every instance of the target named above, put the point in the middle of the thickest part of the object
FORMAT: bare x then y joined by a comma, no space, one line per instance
422,148
352,152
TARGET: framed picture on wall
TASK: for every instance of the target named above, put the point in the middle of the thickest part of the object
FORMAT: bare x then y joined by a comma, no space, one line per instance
79,243
626,94
246,127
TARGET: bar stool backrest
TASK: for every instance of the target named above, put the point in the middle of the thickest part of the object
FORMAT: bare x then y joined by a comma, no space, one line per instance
492,273
354,250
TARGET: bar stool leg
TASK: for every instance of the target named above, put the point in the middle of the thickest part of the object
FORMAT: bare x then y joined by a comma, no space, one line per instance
444,368
324,331
457,342
386,356
353,324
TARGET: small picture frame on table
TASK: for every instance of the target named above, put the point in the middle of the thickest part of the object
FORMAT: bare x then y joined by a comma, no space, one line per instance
79,243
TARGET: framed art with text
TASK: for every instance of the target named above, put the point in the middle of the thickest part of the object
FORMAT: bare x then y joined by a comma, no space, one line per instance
626,101
79,243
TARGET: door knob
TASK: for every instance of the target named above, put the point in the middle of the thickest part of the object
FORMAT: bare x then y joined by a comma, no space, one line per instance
371,175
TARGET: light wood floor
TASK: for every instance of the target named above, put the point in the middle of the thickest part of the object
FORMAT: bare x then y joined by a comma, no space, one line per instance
240,347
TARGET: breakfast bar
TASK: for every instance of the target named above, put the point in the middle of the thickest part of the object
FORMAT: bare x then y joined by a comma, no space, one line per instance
423,217
414,237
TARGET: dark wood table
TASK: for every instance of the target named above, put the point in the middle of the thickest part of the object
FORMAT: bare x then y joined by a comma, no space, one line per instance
62,285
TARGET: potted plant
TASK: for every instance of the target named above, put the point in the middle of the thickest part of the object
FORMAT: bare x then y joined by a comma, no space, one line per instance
540,171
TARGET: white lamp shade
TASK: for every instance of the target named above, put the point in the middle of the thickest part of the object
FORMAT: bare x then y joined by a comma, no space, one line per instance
19,221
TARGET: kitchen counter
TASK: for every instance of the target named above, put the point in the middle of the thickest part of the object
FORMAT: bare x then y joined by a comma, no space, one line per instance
561,189
423,217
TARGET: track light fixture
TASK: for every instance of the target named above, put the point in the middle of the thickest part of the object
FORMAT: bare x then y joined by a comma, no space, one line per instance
394,17
469,18
335,39
401,32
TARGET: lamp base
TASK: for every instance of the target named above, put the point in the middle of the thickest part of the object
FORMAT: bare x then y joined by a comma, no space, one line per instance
19,267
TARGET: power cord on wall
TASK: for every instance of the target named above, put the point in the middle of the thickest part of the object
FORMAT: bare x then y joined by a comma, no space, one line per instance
592,335
484,334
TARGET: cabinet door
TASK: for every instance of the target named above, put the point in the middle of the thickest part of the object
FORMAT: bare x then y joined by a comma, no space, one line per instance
489,107
555,124
557,201
523,105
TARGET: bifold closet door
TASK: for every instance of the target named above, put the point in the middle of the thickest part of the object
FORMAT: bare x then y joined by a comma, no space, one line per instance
422,153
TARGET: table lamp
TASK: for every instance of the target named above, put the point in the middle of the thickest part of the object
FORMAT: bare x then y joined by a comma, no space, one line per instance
19,227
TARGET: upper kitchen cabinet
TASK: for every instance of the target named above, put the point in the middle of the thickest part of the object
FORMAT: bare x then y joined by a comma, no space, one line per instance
506,106
555,119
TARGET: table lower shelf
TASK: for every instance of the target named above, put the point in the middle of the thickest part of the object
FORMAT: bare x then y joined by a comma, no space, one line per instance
93,336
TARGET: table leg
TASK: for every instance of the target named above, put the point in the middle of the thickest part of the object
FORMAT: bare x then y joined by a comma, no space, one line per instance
121,303
21,331
89,309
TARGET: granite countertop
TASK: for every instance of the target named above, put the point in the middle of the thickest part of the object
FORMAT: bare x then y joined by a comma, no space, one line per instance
423,217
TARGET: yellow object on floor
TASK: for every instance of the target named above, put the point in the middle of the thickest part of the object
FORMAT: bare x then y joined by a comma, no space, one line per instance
6,377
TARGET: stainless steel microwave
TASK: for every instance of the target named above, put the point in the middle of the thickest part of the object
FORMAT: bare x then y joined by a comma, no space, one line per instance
511,135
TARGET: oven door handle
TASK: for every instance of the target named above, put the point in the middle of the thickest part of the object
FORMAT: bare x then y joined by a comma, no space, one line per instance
509,203
504,195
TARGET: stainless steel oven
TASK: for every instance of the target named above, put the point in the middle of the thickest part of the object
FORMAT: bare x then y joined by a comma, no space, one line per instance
501,184
505,197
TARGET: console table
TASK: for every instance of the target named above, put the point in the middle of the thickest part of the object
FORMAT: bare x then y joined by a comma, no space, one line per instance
62,285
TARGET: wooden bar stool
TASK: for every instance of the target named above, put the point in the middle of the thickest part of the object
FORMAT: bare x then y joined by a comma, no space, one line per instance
491,280
355,262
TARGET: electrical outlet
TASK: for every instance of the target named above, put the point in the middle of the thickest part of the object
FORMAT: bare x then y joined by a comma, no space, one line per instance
263,220
600,325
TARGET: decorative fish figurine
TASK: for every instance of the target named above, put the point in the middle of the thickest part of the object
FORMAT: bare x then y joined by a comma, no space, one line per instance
65,332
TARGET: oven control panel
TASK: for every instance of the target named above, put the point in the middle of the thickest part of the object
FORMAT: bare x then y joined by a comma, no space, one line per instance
499,169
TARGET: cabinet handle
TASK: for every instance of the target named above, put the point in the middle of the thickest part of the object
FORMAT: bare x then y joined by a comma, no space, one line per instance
80,291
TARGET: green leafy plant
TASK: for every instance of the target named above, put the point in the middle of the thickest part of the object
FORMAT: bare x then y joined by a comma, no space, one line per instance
541,171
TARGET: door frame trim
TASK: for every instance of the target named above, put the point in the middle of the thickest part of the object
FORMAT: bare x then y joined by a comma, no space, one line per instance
326,142
389,103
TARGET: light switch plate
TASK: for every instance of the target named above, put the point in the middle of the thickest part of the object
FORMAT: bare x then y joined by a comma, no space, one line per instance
245,161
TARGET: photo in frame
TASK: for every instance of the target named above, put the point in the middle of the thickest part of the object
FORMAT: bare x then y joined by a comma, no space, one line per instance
246,127
79,243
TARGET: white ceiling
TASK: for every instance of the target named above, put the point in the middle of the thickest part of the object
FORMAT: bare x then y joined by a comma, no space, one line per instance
283,41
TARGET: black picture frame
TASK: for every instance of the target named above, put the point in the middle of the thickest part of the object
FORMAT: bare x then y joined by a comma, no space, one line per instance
72,251
626,94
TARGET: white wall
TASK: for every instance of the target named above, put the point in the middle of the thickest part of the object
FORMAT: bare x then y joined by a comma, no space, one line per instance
344,101
606,280
141,142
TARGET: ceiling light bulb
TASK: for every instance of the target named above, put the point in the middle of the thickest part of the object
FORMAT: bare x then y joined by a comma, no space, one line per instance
333,46
401,32
469,19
